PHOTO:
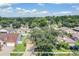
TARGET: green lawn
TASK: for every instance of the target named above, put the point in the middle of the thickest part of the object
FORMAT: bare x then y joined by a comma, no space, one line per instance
19,48
62,50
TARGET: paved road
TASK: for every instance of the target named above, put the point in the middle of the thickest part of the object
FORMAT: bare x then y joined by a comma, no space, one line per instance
29,49
6,51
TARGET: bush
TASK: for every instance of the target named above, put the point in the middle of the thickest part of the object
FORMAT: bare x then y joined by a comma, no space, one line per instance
62,45
69,35
16,54
77,43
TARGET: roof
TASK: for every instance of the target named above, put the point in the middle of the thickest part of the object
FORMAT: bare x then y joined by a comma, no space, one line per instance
3,30
66,39
69,40
65,29
76,28
9,37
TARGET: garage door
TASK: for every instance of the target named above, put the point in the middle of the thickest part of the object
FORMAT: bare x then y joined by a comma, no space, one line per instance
10,44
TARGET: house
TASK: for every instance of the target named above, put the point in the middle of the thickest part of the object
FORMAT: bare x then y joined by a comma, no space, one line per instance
8,30
23,30
9,39
11,30
4,31
76,29
65,39
65,29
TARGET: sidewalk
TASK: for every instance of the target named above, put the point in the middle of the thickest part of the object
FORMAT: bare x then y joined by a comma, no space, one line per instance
6,51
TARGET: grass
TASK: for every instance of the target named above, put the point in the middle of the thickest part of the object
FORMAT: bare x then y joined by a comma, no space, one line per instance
62,50
19,48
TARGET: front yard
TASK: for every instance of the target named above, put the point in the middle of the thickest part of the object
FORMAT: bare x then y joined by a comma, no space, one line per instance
20,48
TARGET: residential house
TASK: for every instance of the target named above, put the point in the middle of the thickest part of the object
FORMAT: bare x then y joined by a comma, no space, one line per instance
4,31
76,29
9,39
23,30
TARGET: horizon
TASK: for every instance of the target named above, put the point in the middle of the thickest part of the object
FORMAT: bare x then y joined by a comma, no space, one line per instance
39,16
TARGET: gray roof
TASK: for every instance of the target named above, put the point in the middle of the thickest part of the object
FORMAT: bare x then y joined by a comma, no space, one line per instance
76,28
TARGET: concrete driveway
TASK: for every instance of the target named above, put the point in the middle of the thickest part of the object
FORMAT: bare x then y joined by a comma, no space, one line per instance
6,51
29,49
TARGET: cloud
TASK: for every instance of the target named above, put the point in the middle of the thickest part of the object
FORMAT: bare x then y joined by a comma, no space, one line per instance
8,10
30,12
24,11
62,13
20,10
65,12
44,12
5,9
41,4
75,7
6,5
33,10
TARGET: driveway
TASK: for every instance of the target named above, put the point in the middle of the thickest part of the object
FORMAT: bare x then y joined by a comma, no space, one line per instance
29,49
6,51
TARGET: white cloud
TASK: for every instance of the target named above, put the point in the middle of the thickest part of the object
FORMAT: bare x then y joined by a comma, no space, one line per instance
62,13
31,12
41,4
6,10
6,5
65,12
34,10
75,7
44,12
21,11
18,8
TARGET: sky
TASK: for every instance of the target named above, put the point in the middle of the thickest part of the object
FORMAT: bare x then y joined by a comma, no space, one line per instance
38,9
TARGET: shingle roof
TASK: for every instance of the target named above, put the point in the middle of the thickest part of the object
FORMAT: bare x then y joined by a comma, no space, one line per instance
69,40
9,37
76,28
